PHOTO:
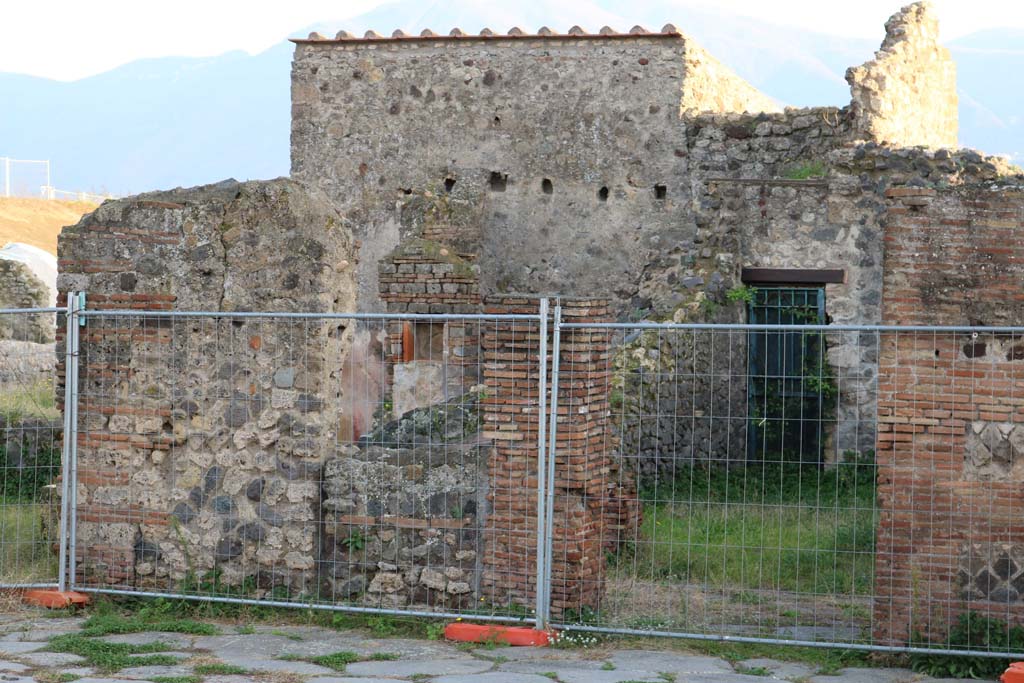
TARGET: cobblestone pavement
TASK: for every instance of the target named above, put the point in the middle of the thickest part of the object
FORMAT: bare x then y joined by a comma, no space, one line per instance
293,654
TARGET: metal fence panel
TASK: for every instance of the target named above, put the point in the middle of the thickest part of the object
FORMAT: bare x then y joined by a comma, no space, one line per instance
895,528
30,446
330,461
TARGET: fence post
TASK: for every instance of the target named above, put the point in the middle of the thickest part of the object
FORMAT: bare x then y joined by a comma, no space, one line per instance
549,511
69,435
542,544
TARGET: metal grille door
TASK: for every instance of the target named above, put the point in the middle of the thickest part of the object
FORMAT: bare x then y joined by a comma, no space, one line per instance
790,396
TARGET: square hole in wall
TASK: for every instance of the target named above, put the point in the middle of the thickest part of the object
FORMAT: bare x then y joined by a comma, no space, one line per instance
499,181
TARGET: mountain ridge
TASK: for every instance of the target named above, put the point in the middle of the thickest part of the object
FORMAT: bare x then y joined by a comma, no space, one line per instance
170,121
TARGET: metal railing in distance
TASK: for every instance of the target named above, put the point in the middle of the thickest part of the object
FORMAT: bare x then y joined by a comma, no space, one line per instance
817,485
30,449
327,461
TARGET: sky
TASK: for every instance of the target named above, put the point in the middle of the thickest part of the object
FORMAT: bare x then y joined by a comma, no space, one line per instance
71,39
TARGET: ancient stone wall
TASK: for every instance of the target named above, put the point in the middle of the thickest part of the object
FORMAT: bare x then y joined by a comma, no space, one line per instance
907,95
202,439
949,434
20,288
570,150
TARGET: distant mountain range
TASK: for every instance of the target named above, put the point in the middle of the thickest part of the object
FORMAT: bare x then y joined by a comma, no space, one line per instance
159,123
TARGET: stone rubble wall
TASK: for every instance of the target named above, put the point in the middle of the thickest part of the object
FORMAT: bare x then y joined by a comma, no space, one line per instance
202,439
21,288
403,106
907,94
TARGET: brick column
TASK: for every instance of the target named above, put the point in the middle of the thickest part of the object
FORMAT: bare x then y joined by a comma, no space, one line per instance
594,501
950,423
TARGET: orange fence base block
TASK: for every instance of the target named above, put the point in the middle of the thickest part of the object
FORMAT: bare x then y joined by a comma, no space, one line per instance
510,635
1015,674
55,599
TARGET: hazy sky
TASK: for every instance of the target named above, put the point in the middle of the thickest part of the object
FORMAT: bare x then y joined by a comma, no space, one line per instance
68,39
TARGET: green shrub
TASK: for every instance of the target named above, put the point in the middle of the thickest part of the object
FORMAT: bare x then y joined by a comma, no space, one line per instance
972,632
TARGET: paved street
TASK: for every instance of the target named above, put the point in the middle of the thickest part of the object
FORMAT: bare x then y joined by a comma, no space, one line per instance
295,654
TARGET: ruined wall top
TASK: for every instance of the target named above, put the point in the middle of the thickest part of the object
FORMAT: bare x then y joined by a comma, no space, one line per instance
708,85
906,95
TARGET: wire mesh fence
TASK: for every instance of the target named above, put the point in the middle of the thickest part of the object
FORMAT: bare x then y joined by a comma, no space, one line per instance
801,483
334,461
806,484
30,446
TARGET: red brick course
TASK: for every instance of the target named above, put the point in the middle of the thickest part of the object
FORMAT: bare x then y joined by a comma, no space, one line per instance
952,257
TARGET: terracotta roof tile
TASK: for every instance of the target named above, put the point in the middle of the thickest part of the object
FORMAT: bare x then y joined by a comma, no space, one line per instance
668,30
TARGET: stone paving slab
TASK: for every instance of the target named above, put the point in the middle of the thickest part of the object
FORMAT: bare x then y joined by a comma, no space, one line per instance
617,676
51,658
535,653
428,667
278,666
338,679
19,647
533,666
174,640
855,675
667,662
779,670
436,661
494,678
142,672
580,671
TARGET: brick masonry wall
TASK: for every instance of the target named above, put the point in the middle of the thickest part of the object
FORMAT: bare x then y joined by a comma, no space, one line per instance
950,411
595,504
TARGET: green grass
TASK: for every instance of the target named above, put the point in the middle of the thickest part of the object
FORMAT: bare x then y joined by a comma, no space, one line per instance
761,527
337,661
111,623
382,657
109,657
25,554
219,669
825,661
57,677
752,670
30,400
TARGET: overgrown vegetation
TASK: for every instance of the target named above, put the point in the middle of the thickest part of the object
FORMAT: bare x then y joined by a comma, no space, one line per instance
21,402
971,631
107,620
768,526
25,554
110,623
23,474
108,657
219,669
805,170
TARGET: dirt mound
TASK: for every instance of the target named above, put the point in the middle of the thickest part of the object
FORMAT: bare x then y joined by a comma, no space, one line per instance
38,221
